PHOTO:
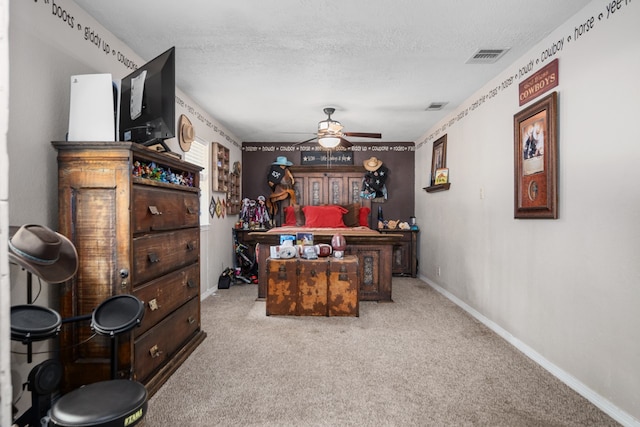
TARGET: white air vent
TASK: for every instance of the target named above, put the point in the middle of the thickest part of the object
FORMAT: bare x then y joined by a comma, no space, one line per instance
435,106
487,56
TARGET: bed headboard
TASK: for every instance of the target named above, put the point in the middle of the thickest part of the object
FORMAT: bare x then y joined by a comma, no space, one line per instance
322,185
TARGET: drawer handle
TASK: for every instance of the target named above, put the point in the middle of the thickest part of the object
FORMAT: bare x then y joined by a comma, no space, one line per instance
282,272
343,274
190,246
313,273
191,210
154,351
191,320
153,305
154,210
153,258
191,283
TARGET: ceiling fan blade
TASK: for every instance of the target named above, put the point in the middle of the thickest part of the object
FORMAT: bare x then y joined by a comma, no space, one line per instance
363,134
304,142
345,143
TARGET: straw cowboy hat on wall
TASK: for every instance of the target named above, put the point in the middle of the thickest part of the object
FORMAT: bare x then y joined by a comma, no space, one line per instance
186,133
372,164
43,252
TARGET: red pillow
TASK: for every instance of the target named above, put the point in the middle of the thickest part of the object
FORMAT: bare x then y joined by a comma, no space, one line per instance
324,216
289,216
364,216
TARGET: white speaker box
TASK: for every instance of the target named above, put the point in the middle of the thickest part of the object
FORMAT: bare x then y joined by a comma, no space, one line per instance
92,108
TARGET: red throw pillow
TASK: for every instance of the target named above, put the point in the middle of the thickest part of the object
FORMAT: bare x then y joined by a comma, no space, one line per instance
324,216
289,216
364,216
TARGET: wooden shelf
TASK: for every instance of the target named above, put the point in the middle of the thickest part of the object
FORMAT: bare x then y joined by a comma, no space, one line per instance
220,170
233,194
439,187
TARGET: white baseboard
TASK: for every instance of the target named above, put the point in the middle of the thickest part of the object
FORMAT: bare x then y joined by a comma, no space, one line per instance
208,293
606,406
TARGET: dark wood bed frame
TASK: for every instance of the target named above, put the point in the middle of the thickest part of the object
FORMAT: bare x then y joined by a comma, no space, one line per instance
339,185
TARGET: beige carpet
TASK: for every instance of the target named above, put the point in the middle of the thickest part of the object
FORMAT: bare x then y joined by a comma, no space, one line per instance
419,361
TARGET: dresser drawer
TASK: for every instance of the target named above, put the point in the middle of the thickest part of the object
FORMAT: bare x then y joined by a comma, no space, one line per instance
158,209
160,342
163,295
157,254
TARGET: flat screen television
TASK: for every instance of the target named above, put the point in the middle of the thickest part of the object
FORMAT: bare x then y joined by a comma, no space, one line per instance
147,101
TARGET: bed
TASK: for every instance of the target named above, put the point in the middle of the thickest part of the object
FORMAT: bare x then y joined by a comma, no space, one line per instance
325,196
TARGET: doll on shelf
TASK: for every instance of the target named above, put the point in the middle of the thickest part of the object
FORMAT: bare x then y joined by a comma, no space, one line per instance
245,214
261,215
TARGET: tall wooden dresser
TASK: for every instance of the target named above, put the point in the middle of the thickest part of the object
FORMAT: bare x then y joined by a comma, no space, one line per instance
133,215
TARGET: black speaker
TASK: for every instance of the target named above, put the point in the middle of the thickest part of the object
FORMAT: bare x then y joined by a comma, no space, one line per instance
45,377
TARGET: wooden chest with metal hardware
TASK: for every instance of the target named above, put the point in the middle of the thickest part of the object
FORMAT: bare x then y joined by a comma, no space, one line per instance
134,235
320,287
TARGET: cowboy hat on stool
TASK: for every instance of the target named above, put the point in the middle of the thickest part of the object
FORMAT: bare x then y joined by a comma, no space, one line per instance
43,252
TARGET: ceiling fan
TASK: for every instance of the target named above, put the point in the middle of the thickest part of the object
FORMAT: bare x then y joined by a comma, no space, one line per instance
330,133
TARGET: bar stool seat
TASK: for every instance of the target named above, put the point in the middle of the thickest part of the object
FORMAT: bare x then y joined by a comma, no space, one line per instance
103,404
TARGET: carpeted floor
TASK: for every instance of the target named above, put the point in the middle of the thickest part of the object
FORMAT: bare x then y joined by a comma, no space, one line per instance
419,361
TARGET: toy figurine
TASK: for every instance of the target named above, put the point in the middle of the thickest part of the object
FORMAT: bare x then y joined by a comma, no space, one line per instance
137,169
261,215
244,213
252,214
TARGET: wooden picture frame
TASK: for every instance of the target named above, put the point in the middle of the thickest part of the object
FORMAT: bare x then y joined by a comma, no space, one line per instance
535,160
438,156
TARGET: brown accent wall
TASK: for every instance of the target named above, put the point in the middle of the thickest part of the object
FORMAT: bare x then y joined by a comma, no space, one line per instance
257,158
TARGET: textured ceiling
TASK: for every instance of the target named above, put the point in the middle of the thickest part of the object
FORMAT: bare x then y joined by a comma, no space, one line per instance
266,68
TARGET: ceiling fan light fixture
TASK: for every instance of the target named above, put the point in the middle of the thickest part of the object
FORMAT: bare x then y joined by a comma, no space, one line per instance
329,141
329,126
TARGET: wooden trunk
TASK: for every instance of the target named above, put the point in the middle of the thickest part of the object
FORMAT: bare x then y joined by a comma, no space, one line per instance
374,261
321,287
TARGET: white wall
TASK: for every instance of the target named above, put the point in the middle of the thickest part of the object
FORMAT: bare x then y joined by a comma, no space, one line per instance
5,359
567,290
44,51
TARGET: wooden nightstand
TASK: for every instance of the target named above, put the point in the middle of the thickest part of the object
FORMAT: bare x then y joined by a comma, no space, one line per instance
405,253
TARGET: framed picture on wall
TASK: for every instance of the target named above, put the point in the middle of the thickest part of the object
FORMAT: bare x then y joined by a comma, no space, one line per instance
438,157
535,160
442,176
